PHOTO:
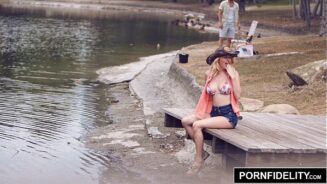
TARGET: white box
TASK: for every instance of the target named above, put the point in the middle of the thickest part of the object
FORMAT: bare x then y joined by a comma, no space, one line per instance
245,50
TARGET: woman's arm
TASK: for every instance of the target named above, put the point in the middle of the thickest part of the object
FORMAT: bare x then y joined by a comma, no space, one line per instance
235,80
237,86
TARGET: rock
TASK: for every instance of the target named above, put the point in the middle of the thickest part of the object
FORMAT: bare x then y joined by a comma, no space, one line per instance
296,79
155,133
310,71
250,105
180,133
114,101
324,75
280,109
186,155
127,72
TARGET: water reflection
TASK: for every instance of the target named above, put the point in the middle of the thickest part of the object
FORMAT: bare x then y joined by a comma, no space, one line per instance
48,97
44,127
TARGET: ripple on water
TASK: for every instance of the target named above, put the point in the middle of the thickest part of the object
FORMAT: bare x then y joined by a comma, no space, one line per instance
47,101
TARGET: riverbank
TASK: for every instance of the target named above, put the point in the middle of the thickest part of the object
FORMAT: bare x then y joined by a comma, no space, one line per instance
136,142
273,18
103,7
143,148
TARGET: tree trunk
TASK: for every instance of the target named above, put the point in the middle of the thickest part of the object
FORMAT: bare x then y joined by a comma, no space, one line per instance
241,4
323,28
302,9
210,2
322,8
315,10
307,14
294,9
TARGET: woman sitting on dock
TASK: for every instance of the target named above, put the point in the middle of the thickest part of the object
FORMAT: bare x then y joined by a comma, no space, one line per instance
218,103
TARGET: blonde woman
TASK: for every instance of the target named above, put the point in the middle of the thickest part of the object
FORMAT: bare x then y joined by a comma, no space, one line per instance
218,103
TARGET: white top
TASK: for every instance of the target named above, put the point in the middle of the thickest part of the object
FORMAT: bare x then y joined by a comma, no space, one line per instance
230,14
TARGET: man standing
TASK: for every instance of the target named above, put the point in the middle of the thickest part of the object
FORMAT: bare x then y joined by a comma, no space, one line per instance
228,21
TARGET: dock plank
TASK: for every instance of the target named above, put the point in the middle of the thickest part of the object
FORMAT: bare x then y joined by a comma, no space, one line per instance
307,124
254,141
281,139
294,129
267,126
281,129
270,133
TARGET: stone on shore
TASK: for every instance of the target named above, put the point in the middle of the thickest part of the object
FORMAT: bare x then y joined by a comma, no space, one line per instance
156,134
311,71
123,73
127,72
280,109
251,105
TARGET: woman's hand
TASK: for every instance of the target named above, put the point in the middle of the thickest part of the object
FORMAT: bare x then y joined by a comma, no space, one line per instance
231,71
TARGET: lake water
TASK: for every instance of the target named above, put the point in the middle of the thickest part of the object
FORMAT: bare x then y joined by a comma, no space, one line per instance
48,97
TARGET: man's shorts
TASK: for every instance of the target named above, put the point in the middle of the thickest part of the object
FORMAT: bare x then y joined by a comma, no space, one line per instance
228,30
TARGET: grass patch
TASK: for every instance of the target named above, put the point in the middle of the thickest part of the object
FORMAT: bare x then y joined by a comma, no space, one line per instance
264,78
279,18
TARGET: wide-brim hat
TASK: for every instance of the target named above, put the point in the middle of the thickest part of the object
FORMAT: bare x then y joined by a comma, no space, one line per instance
221,52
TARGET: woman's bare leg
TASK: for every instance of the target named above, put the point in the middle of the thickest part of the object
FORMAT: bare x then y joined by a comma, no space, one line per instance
187,123
214,122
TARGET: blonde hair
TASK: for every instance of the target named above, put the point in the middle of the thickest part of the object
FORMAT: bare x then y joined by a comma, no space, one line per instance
215,67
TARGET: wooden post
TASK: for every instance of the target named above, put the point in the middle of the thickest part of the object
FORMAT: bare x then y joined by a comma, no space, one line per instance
233,157
218,145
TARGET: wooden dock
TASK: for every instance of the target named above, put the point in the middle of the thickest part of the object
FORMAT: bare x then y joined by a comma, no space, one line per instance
273,139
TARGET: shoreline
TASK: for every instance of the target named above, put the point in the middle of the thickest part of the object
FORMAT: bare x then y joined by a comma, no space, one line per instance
70,6
163,156
165,148
147,157
98,10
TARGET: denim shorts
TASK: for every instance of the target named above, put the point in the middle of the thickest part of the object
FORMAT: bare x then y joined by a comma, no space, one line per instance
228,30
225,111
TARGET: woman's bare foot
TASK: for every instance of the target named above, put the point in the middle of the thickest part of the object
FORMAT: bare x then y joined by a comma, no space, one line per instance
195,168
